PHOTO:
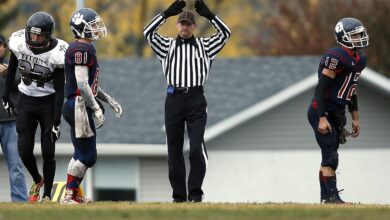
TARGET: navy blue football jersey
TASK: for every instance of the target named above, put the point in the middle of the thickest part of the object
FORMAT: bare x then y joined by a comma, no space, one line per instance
348,70
80,54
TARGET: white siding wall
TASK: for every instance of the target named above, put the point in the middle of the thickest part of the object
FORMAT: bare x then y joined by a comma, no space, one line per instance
154,185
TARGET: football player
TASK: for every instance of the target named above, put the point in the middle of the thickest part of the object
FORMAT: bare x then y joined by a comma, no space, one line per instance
40,60
82,92
339,72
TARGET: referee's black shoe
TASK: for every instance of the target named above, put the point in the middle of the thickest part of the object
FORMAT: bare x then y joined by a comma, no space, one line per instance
179,200
195,199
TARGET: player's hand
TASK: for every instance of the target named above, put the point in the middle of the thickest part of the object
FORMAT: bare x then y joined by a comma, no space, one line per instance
55,133
324,126
202,9
174,9
98,114
8,106
3,69
116,107
355,128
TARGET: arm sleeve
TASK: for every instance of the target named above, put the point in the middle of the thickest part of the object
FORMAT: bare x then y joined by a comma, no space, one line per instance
11,72
323,83
81,73
59,84
216,42
353,105
160,44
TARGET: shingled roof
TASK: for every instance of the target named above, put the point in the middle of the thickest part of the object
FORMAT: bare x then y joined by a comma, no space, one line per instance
233,85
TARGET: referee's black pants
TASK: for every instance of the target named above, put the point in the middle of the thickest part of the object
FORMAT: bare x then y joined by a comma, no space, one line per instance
180,109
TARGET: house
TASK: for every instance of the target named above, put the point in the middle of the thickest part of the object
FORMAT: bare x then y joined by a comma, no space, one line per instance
259,143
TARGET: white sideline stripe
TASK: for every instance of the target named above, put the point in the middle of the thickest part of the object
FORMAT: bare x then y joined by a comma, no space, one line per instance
261,107
376,79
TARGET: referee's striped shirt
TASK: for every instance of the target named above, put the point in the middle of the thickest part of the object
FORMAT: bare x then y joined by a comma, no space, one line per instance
186,62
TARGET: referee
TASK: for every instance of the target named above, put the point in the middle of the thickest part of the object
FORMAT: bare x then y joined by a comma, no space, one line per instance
186,63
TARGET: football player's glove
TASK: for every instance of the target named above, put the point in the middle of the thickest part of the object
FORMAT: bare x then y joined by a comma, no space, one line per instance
55,133
101,105
8,106
98,114
116,107
343,136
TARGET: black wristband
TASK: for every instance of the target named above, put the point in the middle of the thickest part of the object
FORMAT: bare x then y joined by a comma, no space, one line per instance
353,105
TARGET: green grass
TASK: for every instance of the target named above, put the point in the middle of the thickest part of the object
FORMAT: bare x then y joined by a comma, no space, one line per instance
170,211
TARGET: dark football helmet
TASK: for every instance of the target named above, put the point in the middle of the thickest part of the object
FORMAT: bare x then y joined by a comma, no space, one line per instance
40,23
347,27
86,23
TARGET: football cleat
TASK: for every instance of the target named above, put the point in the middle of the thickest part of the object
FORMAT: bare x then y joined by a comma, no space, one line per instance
84,199
72,198
46,199
34,191
334,198
69,201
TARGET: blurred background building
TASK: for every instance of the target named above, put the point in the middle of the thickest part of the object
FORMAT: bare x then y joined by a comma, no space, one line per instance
260,145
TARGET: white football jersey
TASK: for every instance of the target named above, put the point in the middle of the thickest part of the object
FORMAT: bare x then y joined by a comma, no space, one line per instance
36,70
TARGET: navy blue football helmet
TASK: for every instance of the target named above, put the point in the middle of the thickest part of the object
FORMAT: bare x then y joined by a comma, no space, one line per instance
40,23
86,23
347,27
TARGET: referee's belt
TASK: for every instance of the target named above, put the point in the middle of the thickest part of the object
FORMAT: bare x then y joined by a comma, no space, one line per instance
183,90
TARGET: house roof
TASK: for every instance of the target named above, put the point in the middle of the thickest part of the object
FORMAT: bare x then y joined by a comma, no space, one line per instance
234,85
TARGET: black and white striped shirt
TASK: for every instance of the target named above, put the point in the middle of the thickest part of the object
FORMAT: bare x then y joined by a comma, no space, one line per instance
186,62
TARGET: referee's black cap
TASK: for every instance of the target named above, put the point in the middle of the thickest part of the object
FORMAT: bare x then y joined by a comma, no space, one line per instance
187,16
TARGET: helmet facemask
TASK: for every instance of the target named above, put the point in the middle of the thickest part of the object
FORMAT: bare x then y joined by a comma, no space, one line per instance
37,44
360,42
95,28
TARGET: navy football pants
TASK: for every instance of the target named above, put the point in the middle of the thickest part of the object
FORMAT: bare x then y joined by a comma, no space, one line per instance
84,148
329,143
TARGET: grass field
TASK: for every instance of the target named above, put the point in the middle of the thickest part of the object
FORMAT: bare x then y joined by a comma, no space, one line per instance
169,211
